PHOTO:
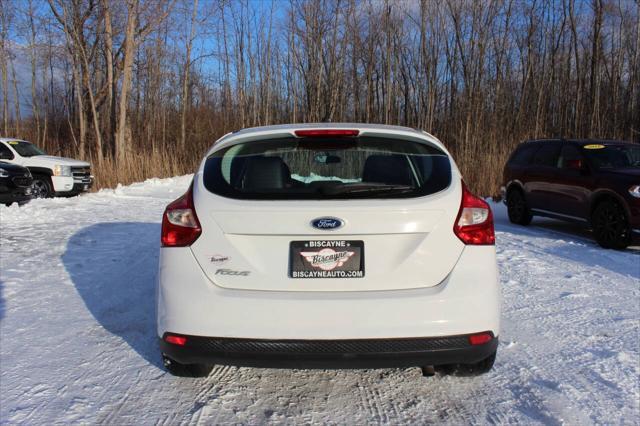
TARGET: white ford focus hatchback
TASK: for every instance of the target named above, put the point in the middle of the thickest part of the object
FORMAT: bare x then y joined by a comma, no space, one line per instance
328,246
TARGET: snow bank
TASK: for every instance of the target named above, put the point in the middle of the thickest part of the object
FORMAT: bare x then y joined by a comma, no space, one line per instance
155,188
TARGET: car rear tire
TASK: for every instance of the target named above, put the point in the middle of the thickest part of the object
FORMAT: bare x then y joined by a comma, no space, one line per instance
465,370
517,208
41,187
610,226
186,370
483,366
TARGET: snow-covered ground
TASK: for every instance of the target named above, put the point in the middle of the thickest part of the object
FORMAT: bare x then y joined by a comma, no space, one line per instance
77,336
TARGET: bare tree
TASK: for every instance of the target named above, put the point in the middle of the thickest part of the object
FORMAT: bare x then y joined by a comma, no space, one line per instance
135,32
4,69
122,81
185,73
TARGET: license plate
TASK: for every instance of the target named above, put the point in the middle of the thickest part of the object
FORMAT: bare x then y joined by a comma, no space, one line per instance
326,259
86,187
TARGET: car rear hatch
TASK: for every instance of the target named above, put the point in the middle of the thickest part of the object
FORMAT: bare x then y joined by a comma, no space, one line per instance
325,214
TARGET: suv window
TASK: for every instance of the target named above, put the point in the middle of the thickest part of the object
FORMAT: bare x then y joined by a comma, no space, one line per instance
5,152
523,155
325,168
613,156
547,155
568,154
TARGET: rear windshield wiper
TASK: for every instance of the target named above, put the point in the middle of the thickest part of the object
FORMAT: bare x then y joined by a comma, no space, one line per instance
367,189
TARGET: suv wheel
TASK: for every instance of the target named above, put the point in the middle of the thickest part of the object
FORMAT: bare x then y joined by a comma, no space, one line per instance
610,226
185,370
41,187
517,208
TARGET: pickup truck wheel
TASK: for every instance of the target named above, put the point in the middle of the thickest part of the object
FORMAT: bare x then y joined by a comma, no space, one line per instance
610,226
185,370
517,208
41,186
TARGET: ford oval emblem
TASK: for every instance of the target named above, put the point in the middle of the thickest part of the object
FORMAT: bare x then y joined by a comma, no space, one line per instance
327,223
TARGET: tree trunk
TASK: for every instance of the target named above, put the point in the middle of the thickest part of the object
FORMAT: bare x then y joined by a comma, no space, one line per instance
5,87
32,50
111,105
127,70
185,77
16,100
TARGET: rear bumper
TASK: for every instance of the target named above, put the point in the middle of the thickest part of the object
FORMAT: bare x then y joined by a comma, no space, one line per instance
466,302
354,353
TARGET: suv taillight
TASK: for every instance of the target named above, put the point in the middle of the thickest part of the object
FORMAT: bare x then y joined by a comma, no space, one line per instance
180,225
474,224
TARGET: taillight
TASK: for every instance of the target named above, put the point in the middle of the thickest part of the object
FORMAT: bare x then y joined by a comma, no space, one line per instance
474,224
175,340
180,225
480,338
321,133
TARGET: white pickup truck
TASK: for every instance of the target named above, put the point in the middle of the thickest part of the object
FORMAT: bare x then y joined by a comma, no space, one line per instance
52,176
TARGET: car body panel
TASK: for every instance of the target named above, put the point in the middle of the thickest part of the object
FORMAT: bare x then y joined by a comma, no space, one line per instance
49,160
259,133
399,237
467,300
540,185
572,193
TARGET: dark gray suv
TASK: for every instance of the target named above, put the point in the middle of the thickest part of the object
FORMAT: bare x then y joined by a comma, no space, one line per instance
593,182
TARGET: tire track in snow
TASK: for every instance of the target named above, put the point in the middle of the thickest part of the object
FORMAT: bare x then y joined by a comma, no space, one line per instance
545,332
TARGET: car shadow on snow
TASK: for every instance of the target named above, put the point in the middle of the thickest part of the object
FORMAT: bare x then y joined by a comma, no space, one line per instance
113,267
578,244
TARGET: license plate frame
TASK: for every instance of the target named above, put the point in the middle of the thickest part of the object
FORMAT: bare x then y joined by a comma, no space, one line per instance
310,259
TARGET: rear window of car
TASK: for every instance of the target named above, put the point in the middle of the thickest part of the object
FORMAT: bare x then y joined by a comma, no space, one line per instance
547,155
523,155
319,168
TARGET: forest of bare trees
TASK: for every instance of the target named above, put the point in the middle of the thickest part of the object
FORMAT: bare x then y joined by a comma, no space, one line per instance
142,87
